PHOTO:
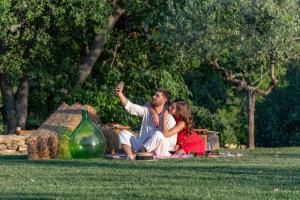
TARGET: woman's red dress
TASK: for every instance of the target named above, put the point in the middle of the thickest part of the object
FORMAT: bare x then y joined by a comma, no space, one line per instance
192,143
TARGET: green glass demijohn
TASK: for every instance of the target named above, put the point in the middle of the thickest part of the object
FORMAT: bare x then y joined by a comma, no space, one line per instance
87,141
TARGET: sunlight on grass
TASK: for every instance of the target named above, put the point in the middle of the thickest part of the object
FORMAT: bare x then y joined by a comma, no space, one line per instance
259,174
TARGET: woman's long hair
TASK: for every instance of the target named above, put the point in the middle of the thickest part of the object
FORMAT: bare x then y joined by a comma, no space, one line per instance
184,112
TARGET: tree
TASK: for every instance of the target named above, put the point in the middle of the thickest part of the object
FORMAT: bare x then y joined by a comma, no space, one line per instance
40,36
247,41
278,116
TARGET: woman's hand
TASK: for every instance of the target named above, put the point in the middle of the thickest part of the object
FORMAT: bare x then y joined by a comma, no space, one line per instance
156,119
165,114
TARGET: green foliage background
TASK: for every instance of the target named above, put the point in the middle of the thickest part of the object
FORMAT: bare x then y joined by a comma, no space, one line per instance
54,40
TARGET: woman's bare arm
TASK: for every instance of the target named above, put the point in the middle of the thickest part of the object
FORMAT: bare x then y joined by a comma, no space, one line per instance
168,133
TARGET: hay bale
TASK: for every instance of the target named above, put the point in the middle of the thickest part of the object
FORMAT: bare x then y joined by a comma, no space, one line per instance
47,142
112,138
32,148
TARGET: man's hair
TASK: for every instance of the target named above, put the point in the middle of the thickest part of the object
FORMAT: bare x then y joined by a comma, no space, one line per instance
165,92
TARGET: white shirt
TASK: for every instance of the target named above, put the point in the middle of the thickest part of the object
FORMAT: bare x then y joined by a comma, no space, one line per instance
148,128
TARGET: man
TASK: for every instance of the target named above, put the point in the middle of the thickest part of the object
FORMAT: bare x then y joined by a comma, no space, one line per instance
160,145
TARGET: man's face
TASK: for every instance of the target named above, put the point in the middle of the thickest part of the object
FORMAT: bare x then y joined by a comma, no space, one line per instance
158,99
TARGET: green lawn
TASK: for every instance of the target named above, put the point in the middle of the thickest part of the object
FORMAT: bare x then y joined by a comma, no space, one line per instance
259,174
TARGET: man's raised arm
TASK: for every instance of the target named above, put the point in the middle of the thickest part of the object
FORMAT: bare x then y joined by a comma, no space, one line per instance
133,109
119,91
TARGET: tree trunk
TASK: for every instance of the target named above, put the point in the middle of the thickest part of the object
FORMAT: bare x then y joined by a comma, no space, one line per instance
8,104
252,92
21,103
89,60
251,111
96,48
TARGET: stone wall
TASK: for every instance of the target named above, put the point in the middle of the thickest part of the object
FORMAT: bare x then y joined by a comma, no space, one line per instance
13,145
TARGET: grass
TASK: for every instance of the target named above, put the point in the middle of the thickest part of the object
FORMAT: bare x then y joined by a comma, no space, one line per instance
260,174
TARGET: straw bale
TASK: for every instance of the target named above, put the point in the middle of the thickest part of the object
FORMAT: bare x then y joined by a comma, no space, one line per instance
44,142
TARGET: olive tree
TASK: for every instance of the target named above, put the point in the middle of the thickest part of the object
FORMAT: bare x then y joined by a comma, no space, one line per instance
248,42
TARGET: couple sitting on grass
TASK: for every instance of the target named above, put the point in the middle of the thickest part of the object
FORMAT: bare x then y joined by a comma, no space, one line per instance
160,133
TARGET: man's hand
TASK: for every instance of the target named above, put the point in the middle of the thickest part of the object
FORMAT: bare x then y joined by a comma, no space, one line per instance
119,88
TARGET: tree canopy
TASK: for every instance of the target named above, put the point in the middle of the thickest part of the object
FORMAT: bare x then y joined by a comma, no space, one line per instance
76,51
248,42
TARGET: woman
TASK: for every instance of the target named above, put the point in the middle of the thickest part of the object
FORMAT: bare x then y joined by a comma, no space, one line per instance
188,141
